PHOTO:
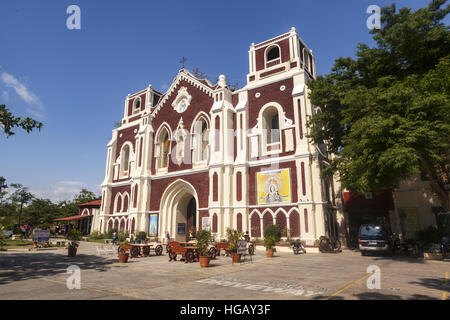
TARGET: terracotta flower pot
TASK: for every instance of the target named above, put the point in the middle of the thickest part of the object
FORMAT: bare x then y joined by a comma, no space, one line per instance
123,257
269,253
236,257
204,262
72,252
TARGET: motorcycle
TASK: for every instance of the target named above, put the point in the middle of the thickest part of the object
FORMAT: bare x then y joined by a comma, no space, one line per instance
410,248
297,246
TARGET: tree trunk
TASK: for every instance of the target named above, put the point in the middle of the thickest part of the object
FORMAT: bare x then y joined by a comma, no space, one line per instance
436,184
20,212
442,194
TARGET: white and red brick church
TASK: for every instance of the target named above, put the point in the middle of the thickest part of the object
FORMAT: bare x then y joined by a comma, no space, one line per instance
203,156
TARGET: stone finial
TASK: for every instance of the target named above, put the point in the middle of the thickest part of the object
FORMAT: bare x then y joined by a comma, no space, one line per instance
222,81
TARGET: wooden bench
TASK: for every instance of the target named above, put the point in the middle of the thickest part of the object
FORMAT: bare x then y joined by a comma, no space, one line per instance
187,253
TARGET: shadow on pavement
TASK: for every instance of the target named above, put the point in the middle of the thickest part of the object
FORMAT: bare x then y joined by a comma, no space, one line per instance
18,267
432,283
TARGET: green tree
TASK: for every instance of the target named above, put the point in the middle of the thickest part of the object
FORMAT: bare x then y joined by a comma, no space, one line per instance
3,186
85,196
8,122
385,114
41,211
20,196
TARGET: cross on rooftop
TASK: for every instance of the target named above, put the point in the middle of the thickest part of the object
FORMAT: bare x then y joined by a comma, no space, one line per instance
182,61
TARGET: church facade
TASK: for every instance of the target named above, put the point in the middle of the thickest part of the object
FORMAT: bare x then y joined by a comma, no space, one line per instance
203,156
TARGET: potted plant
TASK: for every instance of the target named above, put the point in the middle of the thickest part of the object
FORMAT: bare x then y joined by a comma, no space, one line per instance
232,237
123,254
203,239
74,237
141,237
272,234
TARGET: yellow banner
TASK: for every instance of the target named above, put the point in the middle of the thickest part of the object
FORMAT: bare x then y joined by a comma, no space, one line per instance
274,186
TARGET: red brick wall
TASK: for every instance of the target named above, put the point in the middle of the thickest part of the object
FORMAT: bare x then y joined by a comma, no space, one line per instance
271,93
294,222
239,222
127,135
200,102
214,223
284,53
215,187
267,220
114,192
131,105
200,181
239,186
281,223
255,223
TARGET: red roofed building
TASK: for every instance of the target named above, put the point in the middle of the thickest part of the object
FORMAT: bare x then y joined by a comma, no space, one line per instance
88,215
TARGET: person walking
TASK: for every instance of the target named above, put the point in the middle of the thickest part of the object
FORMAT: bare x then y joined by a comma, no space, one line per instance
167,240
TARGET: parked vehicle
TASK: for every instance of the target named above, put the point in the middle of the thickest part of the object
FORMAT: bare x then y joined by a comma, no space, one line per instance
375,238
329,245
297,246
410,247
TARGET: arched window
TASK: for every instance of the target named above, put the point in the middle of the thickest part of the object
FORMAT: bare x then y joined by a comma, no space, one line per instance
118,206
164,144
137,105
201,140
125,203
125,159
271,125
273,53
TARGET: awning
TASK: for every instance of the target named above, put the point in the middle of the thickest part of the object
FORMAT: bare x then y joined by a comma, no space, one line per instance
73,218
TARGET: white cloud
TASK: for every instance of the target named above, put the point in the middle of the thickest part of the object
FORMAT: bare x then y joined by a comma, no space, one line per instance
61,190
5,96
22,91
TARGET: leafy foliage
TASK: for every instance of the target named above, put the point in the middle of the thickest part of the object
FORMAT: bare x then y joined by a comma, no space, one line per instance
8,122
74,236
36,211
385,115
203,238
272,235
141,236
232,238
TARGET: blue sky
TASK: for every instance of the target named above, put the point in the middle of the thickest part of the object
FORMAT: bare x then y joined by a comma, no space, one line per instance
75,81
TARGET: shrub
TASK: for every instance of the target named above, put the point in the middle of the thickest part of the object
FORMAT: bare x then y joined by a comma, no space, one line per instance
74,236
96,235
2,242
108,235
142,236
122,236
232,238
428,236
269,242
203,238
123,247
273,231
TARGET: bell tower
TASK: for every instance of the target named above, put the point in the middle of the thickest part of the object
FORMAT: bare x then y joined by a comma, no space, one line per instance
279,55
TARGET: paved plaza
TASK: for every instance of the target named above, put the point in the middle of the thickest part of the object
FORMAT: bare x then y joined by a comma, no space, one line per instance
43,275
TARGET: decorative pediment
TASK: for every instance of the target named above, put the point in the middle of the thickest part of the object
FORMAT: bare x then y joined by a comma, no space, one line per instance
186,76
182,100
